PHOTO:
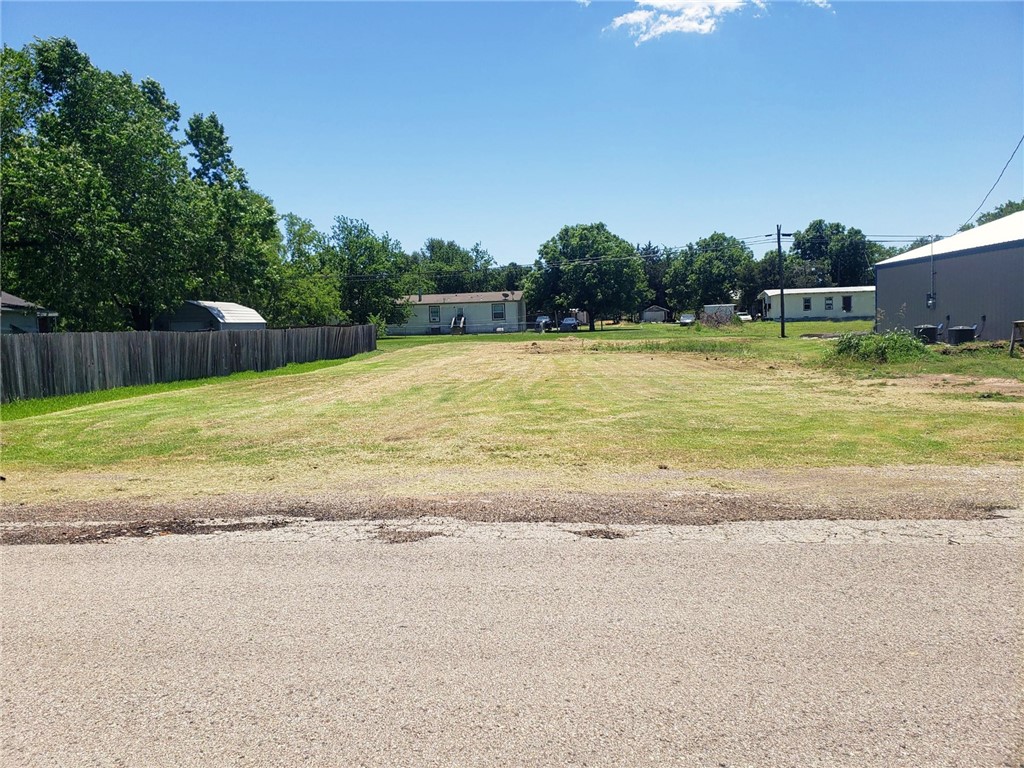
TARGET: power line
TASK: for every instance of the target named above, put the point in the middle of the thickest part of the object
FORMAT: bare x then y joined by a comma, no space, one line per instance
971,217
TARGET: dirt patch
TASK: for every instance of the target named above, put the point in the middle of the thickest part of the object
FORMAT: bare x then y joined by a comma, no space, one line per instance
952,384
694,498
601,533
403,536
85,533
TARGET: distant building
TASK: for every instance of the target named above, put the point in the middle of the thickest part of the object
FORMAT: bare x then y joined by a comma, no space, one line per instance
972,278
20,316
654,314
486,312
721,313
855,302
211,316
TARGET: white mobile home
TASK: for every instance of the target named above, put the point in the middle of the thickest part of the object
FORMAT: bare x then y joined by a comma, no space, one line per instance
843,303
485,312
972,278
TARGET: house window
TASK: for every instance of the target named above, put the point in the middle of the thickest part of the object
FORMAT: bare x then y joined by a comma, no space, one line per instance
497,311
435,314
807,304
828,303
847,303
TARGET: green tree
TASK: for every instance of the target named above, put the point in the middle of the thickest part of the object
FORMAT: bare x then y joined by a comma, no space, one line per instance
371,269
755,276
656,260
1010,206
587,267
832,254
95,189
708,272
509,277
240,258
307,289
212,152
447,267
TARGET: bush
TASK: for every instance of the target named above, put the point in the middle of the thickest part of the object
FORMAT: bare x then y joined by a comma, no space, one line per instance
381,324
894,347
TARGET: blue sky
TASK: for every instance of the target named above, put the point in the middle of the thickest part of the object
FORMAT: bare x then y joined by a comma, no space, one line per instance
500,122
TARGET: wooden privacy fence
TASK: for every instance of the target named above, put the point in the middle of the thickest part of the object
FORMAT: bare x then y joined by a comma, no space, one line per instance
45,364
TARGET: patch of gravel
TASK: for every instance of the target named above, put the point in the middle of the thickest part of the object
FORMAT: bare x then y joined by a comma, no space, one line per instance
848,493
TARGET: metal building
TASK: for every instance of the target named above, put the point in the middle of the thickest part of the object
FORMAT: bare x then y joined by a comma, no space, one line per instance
974,278
211,316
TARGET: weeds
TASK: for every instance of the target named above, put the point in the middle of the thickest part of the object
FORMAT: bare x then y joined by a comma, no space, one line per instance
894,347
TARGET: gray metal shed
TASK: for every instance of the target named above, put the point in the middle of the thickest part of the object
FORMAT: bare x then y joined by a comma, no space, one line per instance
212,316
972,278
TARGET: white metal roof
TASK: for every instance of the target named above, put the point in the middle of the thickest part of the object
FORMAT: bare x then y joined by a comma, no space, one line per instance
835,290
1008,229
229,312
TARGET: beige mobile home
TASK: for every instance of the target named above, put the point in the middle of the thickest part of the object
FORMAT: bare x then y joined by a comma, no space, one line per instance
843,303
489,312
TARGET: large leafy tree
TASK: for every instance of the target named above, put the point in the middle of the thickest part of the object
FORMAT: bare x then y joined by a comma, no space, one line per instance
240,254
444,266
371,270
587,267
656,260
509,277
1010,206
826,254
708,272
307,288
101,221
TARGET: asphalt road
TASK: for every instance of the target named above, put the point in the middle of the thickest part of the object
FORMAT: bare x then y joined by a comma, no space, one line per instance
748,644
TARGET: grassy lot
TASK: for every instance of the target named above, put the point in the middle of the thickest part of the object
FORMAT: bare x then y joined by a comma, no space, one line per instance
594,412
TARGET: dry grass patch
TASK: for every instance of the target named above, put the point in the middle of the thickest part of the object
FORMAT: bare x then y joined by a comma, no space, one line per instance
487,418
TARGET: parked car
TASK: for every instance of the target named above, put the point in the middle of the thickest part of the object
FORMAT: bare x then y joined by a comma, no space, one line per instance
569,324
543,323
687,319
744,317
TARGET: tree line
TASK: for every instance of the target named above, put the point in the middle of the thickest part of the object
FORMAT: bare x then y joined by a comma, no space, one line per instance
113,212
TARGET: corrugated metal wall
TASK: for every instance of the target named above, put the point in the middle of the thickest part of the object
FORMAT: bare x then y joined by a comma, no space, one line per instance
967,286
43,365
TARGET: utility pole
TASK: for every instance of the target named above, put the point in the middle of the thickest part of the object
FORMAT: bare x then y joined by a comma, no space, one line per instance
779,234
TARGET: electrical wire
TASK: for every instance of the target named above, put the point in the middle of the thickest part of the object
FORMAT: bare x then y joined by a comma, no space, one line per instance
1010,160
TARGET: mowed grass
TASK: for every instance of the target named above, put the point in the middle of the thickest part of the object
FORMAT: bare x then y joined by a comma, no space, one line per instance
507,413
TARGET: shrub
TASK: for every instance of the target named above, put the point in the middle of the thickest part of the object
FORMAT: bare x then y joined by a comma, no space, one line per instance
381,324
893,347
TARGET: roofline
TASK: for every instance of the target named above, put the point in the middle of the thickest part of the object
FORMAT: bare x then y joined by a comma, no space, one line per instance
826,289
896,261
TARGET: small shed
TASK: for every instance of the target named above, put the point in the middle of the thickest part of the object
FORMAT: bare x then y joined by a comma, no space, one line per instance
654,314
721,313
20,316
211,316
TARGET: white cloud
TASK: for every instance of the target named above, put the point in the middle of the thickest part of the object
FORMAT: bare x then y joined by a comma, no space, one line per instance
654,18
